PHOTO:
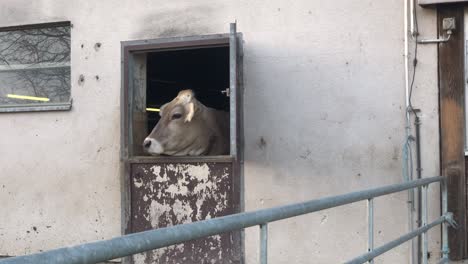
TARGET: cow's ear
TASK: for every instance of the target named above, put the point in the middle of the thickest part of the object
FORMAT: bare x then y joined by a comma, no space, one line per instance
161,109
190,108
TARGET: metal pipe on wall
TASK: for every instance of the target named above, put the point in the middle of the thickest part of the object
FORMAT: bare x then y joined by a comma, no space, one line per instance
424,223
264,243
370,228
417,124
445,248
412,247
412,17
406,52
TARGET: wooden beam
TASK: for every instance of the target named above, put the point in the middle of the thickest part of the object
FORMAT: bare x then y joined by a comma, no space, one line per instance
451,85
140,117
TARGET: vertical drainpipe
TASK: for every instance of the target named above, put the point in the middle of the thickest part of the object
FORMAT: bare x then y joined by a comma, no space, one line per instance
412,248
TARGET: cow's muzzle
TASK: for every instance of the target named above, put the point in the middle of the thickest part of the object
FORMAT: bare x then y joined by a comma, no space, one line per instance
152,146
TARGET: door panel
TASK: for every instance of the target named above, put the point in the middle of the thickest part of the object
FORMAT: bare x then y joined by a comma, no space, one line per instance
167,194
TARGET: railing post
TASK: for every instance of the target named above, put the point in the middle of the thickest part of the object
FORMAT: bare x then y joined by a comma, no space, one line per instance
264,243
370,222
445,247
424,223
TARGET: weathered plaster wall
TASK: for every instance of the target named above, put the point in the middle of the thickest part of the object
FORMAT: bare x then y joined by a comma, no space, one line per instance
324,114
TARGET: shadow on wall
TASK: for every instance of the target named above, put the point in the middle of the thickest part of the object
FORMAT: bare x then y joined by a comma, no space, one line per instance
176,21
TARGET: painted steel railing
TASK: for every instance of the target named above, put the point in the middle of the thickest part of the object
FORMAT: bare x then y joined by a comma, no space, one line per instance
140,242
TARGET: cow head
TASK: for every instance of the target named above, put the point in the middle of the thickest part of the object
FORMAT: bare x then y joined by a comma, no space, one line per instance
179,128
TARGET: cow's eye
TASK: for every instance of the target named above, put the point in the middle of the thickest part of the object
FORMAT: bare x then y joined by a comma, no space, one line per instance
176,116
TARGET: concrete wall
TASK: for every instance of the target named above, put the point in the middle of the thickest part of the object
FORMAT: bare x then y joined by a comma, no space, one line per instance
324,85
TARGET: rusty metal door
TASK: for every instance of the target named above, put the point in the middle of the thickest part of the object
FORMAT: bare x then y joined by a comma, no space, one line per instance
166,191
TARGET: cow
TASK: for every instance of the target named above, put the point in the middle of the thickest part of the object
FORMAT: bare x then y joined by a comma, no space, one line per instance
189,128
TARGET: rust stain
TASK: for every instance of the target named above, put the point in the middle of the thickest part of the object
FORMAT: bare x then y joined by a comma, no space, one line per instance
166,194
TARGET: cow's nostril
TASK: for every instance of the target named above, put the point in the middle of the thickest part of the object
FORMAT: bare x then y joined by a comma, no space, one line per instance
147,143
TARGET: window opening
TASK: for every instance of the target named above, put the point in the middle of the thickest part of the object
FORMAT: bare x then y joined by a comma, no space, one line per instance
204,71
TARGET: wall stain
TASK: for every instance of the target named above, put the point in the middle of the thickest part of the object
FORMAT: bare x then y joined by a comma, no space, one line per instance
81,79
261,143
306,155
176,21
97,46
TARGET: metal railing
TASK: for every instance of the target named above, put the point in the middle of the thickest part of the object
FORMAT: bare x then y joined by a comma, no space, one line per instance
140,242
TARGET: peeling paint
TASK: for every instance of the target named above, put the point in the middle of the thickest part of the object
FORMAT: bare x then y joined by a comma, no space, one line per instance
137,183
156,170
139,258
157,210
177,189
183,211
171,194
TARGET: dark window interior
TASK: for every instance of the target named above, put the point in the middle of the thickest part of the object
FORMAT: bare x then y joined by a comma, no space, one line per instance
204,70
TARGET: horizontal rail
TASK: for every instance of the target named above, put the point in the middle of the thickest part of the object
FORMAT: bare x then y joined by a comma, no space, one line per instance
388,246
140,242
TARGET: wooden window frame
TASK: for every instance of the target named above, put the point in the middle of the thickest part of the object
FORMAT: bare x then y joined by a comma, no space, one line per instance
129,48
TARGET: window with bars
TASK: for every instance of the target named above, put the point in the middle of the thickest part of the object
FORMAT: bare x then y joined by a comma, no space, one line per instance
35,67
